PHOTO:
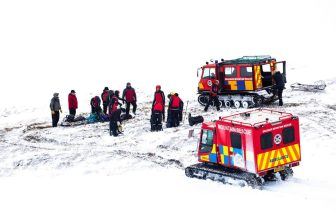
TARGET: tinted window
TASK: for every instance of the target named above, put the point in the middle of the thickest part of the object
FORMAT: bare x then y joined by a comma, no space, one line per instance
246,71
288,135
209,73
236,140
230,72
206,141
266,141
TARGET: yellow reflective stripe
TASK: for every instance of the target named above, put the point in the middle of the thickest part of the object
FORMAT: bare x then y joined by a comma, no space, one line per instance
292,153
259,160
205,157
222,159
226,151
272,156
248,85
277,155
233,84
213,151
284,152
264,161
297,148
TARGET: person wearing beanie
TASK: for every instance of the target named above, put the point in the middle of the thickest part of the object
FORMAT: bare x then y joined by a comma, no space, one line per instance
72,102
55,107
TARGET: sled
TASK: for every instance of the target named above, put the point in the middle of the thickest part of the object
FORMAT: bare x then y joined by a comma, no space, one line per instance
317,86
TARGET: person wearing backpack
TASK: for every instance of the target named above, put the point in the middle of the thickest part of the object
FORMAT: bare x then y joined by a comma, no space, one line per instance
174,108
114,113
55,107
105,98
159,97
129,96
72,103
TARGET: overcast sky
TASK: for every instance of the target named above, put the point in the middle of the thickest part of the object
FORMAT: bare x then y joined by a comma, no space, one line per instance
46,46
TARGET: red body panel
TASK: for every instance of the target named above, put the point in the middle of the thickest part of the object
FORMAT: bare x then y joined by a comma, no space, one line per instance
257,141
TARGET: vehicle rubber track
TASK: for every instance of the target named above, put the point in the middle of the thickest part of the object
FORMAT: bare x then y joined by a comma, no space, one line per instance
224,175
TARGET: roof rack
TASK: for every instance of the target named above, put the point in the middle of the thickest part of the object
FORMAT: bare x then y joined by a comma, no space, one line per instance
248,60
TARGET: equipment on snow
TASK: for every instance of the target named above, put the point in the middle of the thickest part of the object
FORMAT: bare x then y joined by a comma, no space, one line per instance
317,86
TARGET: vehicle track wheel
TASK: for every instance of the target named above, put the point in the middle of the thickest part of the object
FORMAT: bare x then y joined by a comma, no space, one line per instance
221,103
236,104
245,104
203,99
227,104
189,173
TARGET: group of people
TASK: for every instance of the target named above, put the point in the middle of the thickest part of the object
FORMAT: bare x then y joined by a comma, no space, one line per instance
112,107
175,110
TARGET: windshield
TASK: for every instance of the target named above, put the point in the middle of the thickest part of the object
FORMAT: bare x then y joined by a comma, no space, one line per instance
209,73
206,141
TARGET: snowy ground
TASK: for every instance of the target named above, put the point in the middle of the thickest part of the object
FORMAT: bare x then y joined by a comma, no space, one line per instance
146,169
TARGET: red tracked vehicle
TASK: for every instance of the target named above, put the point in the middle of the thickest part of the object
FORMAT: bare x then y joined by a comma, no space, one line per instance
248,148
243,82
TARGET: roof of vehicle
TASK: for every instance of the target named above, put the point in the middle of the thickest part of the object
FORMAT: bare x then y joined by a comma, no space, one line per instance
257,117
248,60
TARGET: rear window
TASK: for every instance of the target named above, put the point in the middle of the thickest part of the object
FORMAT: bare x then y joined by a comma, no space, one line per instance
266,141
236,140
288,135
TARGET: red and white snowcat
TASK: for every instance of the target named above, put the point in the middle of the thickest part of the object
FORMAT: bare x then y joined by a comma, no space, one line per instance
248,148
243,82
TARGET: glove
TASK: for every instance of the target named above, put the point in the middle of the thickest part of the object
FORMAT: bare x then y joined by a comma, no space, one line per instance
52,112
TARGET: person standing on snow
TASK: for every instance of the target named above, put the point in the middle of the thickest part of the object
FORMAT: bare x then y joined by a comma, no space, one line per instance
105,99
159,97
129,96
114,113
72,102
279,85
158,109
55,107
213,97
174,108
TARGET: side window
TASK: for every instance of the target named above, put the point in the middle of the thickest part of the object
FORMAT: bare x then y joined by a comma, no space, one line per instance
245,71
206,141
230,72
236,141
266,68
209,73
288,135
266,141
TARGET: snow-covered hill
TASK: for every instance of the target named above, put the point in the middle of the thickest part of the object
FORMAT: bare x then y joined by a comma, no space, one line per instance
147,169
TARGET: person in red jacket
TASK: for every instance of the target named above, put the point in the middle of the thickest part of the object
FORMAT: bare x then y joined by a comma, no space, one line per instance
114,113
158,110
72,102
174,109
159,97
105,98
129,96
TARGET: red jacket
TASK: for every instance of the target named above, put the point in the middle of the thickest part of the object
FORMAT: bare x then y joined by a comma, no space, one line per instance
158,107
72,101
175,102
129,94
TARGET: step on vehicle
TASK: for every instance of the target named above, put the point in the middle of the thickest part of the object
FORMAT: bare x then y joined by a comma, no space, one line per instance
243,82
248,148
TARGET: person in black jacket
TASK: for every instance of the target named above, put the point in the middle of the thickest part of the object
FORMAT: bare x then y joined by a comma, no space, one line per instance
213,96
279,85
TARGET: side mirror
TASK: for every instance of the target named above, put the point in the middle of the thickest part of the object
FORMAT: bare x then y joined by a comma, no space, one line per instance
199,70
